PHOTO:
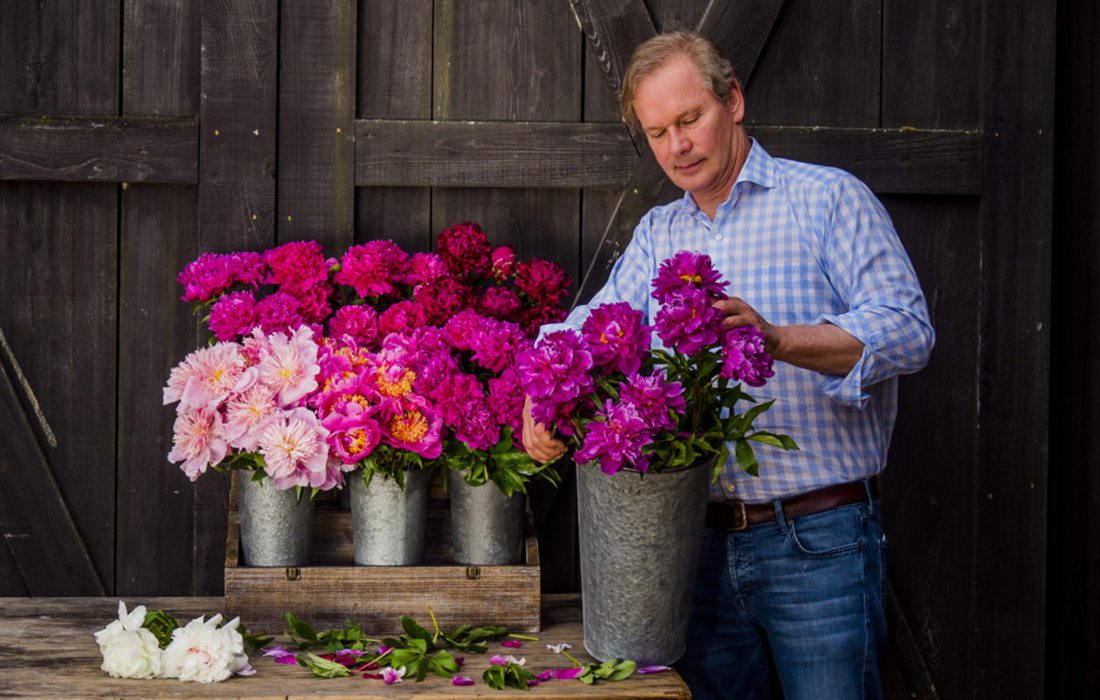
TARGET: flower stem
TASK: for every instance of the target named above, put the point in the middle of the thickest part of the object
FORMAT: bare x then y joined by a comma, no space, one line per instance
524,637
569,656
435,623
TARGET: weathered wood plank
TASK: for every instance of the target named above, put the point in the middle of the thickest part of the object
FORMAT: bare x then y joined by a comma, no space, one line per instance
571,154
740,31
493,154
56,633
58,57
926,489
115,149
1009,507
238,116
237,152
613,28
822,66
931,60
38,530
395,82
316,122
160,67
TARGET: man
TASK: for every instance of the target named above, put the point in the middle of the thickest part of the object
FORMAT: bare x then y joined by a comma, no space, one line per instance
791,584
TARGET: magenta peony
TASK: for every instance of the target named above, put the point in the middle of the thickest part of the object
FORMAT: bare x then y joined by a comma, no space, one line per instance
374,269
744,357
617,337
465,250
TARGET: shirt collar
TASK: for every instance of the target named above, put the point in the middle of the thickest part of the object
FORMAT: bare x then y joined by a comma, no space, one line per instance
759,168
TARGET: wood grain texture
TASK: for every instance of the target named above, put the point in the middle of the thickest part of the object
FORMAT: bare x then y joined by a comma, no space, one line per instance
56,634
45,547
821,66
492,154
740,31
158,236
238,116
931,53
395,82
567,154
118,149
316,122
59,291
1010,503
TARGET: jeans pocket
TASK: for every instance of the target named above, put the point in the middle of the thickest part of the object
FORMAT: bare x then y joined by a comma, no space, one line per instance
828,534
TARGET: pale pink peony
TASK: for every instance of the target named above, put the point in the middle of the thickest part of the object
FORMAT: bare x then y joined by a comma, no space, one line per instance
294,448
197,441
290,366
245,416
205,377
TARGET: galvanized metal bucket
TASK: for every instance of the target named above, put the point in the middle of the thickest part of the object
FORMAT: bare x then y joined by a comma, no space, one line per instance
486,525
275,525
387,521
639,542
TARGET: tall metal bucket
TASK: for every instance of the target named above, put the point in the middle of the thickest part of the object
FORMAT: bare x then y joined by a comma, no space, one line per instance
387,521
639,542
275,525
486,525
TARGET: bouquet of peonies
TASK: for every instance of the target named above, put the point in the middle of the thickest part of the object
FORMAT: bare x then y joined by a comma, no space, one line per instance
627,404
379,361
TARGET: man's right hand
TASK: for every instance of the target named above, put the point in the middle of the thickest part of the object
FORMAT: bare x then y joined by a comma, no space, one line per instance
537,440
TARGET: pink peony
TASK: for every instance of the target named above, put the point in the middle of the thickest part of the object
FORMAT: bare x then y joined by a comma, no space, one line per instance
205,377
542,281
442,298
408,424
504,263
290,366
313,302
617,440
617,337
297,265
359,322
207,276
233,316
279,312
506,400
687,322
497,345
248,268
686,270
744,356
425,267
197,441
374,269
402,317
352,435
245,415
295,450
500,302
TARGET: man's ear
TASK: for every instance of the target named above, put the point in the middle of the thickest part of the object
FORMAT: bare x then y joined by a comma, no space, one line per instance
736,101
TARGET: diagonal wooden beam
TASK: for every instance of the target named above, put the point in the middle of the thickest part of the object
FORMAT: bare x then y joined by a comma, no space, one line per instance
740,30
613,28
34,520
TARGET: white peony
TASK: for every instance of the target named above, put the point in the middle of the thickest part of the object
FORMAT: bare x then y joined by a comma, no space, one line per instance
201,651
129,650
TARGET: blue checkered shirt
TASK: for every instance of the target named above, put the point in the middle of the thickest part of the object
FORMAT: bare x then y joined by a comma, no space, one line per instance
802,244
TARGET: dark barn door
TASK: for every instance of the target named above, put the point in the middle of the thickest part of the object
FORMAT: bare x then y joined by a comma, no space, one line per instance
136,134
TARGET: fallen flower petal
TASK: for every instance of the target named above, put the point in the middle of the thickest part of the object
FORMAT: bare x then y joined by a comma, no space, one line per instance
546,675
288,659
384,649
277,651
559,648
568,673
372,675
392,675
532,682
459,660
246,671
462,680
511,643
498,660
653,669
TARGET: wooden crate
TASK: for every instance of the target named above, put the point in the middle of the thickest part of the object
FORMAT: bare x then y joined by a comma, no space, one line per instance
332,589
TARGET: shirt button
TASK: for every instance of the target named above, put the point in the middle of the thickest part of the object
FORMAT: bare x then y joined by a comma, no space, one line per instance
717,236
730,488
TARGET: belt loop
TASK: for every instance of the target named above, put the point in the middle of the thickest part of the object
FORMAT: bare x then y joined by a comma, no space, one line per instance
870,495
780,518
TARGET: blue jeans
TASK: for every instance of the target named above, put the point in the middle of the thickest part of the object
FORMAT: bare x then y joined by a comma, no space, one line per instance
801,600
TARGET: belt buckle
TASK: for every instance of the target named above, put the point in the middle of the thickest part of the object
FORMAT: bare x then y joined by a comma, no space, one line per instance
744,523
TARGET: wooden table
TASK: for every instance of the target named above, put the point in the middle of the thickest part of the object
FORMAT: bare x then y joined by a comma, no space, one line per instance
47,650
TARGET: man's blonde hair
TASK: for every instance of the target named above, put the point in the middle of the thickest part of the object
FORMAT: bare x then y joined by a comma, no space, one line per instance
654,53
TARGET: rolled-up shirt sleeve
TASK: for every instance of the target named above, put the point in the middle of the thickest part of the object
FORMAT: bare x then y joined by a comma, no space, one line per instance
887,312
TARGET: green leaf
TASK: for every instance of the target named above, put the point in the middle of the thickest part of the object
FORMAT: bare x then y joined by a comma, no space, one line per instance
161,624
297,628
253,641
751,414
415,631
746,458
322,668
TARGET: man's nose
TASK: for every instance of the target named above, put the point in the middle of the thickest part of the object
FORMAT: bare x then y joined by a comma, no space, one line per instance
679,141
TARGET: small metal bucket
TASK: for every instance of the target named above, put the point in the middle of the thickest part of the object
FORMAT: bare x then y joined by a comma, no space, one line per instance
275,526
486,525
639,543
387,521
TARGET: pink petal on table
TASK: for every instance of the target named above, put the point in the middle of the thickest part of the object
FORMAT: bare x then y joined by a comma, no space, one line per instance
567,673
511,643
462,680
653,669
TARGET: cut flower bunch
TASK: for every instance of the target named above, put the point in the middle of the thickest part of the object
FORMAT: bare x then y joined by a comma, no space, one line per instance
379,361
629,405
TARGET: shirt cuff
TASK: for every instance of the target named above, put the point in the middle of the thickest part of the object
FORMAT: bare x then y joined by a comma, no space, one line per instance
848,390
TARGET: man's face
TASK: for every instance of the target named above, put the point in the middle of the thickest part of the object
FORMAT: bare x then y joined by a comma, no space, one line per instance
695,136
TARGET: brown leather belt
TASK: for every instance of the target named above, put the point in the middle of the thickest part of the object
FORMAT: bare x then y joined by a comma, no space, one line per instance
735,516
